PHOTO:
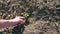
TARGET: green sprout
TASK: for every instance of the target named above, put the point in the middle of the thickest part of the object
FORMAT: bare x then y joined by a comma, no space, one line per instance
25,14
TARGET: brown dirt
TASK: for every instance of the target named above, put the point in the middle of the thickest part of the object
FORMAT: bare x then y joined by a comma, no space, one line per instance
44,17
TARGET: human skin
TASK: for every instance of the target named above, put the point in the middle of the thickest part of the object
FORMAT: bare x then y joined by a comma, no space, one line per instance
12,22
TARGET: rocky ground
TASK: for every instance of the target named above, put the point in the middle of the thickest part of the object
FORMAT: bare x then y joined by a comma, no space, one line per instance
44,16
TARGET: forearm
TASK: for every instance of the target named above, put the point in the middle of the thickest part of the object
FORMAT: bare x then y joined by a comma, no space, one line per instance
7,24
11,23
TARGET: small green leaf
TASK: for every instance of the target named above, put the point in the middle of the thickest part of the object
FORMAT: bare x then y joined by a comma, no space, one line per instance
25,14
